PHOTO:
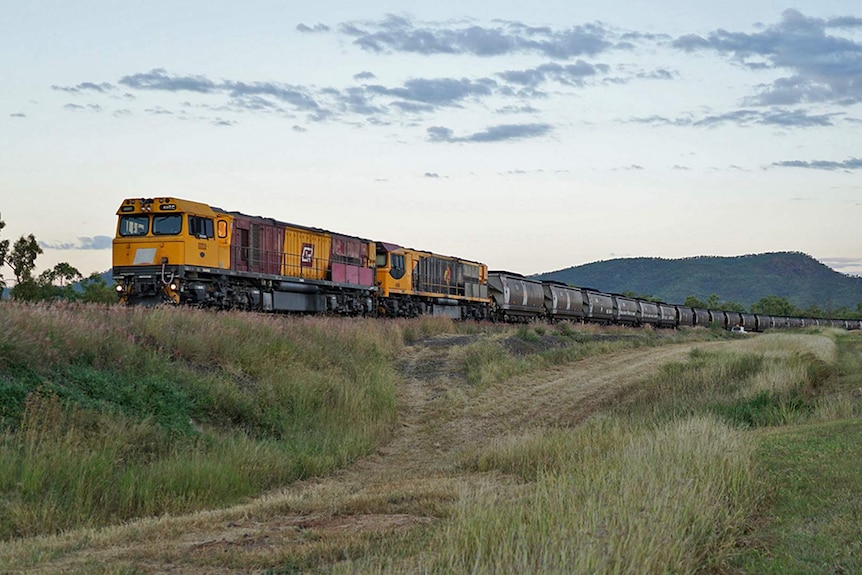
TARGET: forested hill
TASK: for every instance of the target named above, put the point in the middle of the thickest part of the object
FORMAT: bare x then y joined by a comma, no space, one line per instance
801,279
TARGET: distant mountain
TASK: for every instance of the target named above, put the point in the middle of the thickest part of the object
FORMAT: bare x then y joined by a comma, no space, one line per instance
743,279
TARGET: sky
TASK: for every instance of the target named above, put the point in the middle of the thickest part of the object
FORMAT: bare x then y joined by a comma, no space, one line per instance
531,136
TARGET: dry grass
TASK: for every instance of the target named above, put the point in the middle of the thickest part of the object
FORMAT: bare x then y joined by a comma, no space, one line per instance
518,470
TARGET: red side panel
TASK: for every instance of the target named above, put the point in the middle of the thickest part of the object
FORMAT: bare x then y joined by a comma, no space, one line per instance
350,261
339,273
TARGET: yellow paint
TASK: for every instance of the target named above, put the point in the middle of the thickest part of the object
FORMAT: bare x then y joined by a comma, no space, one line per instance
389,285
172,250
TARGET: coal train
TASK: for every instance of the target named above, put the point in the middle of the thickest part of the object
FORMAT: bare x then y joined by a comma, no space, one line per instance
176,251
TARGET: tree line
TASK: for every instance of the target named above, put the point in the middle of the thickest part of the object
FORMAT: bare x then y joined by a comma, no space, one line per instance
769,305
775,305
61,283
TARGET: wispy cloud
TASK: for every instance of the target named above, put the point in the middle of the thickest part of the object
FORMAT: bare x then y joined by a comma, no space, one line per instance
491,134
848,164
101,88
782,117
317,28
83,243
402,34
572,74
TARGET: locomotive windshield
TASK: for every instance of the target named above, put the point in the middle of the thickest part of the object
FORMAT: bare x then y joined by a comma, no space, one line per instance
167,225
134,225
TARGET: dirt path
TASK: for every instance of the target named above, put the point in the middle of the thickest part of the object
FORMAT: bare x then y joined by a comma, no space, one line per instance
407,482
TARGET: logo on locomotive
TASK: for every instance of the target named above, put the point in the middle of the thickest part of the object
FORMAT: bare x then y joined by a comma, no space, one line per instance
307,257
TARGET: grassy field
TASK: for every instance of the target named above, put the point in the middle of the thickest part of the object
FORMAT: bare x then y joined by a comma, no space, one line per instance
538,448
110,413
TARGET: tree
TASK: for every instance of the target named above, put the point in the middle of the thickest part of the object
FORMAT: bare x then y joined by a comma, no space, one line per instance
96,290
774,305
56,283
22,260
63,274
732,306
692,301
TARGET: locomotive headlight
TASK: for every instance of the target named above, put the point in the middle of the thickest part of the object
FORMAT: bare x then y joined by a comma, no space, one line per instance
173,286
119,289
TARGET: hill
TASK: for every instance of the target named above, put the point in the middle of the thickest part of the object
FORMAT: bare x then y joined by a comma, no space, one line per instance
744,279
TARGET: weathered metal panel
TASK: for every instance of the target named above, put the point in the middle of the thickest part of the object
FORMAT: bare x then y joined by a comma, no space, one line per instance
717,317
701,316
306,253
666,315
647,312
600,306
625,310
293,301
563,301
684,316
733,318
350,259
516,294
749,321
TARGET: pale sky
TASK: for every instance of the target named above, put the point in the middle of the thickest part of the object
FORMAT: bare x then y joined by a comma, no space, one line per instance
531,136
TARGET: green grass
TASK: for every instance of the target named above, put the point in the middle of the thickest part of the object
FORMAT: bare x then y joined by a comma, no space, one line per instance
112,413
810,520
537,346
811,475
606,498
746,389
732,461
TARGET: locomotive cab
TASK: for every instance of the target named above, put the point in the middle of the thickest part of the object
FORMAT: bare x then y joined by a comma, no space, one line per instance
161,243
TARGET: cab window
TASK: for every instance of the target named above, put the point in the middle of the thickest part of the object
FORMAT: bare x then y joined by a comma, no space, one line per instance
200,227
398,266
167,225
134,225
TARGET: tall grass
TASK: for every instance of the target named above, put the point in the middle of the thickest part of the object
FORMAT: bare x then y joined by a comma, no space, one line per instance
537,346
748,389
605,498
113,413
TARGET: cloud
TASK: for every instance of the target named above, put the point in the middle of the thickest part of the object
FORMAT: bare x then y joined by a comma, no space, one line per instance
572,74
159,79
824,67
775,117
436,91
317,28
848,164
83,243
244,95
499,133
782,117
401,34
17,115
78,107
101,88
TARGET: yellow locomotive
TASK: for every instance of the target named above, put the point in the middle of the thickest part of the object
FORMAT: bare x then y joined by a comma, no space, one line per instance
414,282
169,250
